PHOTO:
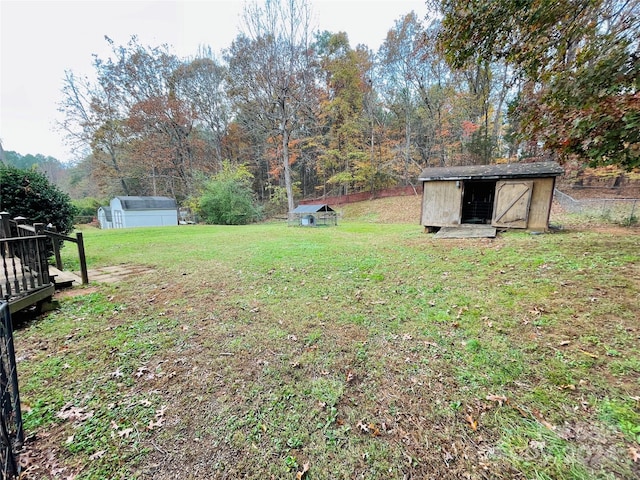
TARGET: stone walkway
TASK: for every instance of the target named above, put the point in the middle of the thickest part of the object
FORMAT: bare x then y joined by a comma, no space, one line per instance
117,273
112,274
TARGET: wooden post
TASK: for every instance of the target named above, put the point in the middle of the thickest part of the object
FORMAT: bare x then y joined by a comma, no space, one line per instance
56,252
83,259
5,226
20,221
5,232
56,242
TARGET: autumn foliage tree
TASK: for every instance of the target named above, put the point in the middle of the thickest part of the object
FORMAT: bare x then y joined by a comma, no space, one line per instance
309,114
343,156
270,65
578,62
140,120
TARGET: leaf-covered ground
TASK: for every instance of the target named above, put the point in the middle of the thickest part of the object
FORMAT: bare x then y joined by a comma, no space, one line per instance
369,350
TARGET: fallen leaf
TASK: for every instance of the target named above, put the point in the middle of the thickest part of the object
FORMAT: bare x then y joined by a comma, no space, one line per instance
305,469
635,453
69,412
156,424
564,343
97,455
497,398
364,428
473,424
350,376
125,433
522,411
537,445
541,419
141,371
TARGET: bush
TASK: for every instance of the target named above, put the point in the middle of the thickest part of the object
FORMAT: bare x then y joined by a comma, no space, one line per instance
88,207
28,193
228,199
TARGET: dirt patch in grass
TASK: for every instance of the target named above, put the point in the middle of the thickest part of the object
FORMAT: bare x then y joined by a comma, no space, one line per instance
75,292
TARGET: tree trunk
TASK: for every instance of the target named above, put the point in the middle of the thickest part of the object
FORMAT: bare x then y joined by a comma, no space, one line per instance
287,169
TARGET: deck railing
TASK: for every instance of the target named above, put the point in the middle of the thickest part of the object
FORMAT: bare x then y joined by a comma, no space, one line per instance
24,265
24,268
19,227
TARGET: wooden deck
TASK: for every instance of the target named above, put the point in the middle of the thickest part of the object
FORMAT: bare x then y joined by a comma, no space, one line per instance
26,278
22,286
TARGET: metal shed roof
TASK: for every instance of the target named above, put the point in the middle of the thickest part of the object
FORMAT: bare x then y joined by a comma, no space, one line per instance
312,209
147,203
509,170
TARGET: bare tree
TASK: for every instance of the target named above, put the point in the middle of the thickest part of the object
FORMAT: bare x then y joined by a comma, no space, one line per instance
270,72
94,121
202,82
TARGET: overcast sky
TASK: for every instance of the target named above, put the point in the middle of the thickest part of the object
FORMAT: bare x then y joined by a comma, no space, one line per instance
41,39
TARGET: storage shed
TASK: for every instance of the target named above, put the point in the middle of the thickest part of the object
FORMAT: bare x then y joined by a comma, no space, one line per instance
516,195
313,216
127,212
104,217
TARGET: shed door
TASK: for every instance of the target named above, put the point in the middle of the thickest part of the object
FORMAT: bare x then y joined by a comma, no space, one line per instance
511,206
441,203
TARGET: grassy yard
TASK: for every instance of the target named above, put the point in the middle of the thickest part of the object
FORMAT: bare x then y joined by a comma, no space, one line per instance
367,351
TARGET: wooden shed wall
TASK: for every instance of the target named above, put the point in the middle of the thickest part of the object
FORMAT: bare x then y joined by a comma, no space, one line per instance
441,203
540,203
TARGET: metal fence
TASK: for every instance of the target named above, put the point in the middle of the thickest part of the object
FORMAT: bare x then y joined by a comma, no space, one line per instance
623,211
11,432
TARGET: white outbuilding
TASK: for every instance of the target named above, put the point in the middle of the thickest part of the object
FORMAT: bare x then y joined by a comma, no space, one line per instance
128,212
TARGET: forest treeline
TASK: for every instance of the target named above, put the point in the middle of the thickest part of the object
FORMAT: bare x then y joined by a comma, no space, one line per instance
308,114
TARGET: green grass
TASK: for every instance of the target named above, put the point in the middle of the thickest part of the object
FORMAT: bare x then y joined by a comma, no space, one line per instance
365,350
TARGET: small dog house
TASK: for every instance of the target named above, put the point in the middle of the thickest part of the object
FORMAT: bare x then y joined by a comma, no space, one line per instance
127,212
313,216
516,195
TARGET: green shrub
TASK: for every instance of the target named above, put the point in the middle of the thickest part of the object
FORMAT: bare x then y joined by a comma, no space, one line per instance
28,193
228,198
88,207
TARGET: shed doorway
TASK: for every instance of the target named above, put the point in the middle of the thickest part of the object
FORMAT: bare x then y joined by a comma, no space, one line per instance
477,202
